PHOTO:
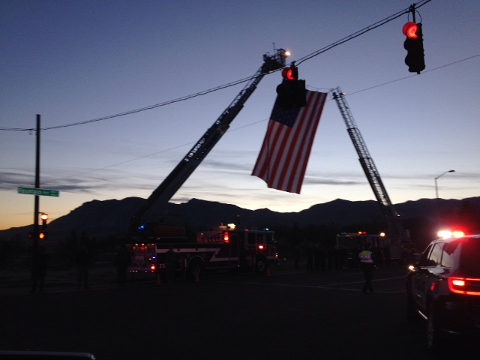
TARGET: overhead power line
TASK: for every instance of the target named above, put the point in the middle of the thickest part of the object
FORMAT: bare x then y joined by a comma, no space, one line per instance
233,83
260,121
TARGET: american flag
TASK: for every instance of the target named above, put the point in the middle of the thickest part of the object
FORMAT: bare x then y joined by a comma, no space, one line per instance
286,147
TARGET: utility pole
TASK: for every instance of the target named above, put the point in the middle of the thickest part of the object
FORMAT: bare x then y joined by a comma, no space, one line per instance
37,186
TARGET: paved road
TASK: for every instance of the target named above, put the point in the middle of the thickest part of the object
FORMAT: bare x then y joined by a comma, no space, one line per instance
292,314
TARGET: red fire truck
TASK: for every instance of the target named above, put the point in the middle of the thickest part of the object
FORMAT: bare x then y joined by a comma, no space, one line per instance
222,248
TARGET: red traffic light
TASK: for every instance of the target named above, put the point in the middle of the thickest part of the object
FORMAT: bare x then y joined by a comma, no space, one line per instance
287,73
410,30
44,218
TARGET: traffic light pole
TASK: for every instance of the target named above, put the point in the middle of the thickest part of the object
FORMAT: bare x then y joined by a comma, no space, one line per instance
36,209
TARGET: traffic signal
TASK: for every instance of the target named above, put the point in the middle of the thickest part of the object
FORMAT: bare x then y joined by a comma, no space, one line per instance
291,92
44,218
415,58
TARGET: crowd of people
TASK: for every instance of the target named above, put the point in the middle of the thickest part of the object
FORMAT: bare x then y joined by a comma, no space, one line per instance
321,257
83,261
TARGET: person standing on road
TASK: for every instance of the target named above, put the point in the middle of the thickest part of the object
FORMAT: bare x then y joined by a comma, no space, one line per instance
367,263
171,259
39,269
83,263
122,262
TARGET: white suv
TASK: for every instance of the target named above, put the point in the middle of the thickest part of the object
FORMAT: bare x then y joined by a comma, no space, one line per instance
444,288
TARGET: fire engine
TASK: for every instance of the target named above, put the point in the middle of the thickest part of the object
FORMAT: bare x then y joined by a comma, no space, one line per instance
354,242
225,247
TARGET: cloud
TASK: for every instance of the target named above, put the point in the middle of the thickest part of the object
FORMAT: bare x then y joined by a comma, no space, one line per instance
310,180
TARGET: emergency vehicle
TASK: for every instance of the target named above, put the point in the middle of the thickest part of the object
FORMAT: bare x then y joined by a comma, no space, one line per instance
223,248
354,242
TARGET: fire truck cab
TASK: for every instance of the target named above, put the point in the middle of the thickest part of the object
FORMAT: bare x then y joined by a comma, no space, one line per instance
248,249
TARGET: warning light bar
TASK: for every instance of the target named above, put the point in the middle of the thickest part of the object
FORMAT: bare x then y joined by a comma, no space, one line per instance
445,234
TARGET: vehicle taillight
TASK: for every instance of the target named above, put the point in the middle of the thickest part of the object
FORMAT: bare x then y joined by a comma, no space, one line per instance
261,247
465,286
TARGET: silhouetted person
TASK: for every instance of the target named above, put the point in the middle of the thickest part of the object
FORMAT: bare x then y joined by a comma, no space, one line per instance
387,255
355,258
171,260
122,262
323,258
330,258
83,263
316,256
309,252
342,257
39,269
379,256
367,263
296,256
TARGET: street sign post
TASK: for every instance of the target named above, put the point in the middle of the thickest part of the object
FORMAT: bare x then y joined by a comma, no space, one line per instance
41,192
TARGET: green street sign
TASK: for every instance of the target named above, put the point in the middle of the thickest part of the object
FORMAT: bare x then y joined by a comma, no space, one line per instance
41,192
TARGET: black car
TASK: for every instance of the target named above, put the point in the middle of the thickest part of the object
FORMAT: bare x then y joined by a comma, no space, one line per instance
444,289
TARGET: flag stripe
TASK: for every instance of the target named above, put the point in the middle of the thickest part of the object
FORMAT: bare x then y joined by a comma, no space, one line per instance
285,151
307,141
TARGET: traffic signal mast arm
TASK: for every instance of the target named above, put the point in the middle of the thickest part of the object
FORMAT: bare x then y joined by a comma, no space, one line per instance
165,191
395,228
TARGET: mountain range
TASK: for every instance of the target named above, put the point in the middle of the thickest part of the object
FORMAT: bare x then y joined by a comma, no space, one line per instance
101,219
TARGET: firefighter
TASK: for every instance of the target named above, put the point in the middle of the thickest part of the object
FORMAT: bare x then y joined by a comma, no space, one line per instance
122,261
368,264
171,259
83,264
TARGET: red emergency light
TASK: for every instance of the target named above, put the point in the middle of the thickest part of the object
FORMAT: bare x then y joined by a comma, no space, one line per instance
225,237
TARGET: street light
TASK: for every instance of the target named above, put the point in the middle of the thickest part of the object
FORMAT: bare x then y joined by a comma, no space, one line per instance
436,187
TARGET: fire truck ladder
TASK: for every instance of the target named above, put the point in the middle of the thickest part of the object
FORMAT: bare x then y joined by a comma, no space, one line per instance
170,185
396,230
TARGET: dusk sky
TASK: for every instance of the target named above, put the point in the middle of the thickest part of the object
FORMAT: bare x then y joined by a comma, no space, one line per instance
75,61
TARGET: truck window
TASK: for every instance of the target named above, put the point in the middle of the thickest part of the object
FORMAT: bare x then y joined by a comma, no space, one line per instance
270,239
251,239
260,239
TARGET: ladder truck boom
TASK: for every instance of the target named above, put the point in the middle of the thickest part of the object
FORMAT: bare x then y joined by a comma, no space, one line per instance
395,228
170,185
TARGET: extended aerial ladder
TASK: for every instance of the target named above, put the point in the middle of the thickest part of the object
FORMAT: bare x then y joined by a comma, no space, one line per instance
396,231
170,185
